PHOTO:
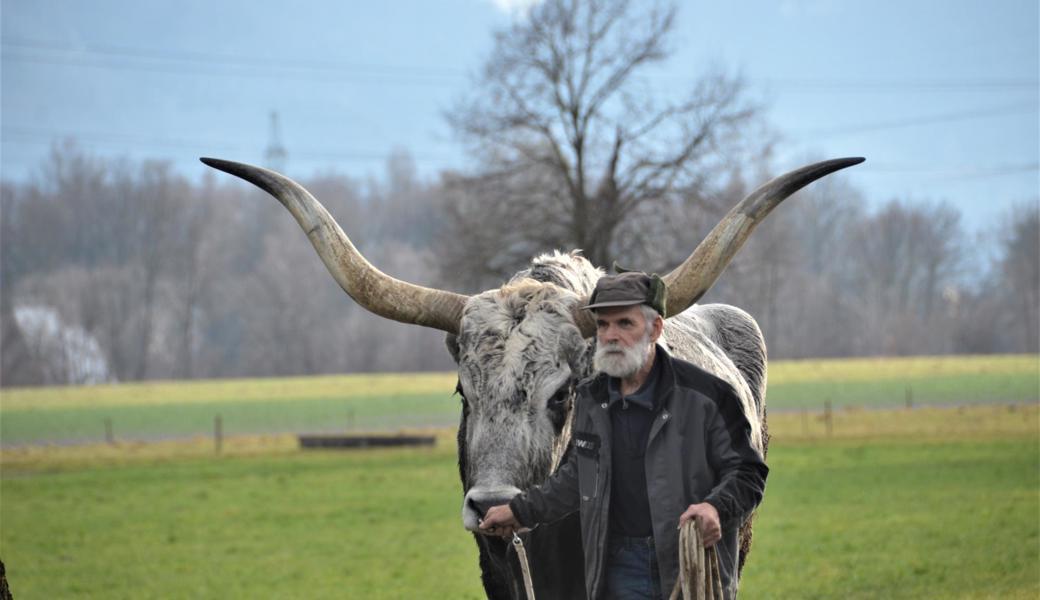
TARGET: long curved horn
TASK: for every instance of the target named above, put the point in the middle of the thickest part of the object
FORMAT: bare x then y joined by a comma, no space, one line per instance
695,276
367,285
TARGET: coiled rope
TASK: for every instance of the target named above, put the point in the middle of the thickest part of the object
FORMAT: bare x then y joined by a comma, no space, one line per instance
698,568
699,577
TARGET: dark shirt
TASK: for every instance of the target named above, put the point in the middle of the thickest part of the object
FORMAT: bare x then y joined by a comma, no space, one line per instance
630,418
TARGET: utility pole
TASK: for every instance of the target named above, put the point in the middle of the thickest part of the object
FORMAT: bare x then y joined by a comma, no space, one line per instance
275,155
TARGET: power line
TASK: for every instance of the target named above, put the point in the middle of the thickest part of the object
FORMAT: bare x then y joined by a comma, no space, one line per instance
954,172
203,147
221,71
44,137
983,173
112,137
1031,107
196,63
902,85
209,58
190,62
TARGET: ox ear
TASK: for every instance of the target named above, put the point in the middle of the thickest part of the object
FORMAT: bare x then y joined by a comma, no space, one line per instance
452,342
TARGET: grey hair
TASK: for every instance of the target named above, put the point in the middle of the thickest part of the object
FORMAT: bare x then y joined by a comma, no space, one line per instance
649,315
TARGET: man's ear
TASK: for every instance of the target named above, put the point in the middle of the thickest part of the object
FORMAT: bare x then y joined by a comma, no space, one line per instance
658,328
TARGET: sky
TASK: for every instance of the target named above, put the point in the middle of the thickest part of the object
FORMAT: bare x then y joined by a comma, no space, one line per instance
942,97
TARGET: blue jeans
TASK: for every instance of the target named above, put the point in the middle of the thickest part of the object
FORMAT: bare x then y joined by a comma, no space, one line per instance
632,569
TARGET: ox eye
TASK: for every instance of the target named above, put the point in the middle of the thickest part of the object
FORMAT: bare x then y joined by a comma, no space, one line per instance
560,397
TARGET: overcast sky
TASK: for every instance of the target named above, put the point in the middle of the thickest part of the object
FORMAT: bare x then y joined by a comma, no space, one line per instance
941,96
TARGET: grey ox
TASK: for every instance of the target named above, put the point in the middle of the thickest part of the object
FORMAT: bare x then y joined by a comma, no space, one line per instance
523,347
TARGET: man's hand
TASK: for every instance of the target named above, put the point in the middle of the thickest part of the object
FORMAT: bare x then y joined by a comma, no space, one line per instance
706,519
499,520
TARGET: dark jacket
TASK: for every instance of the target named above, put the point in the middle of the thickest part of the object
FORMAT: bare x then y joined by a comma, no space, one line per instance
699,450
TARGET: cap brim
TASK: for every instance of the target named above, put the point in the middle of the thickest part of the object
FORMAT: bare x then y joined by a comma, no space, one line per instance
613,303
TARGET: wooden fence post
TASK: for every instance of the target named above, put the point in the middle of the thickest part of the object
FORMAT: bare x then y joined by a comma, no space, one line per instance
110,435
218,433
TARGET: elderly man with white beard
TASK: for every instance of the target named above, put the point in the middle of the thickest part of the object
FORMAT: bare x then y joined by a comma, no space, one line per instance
656,442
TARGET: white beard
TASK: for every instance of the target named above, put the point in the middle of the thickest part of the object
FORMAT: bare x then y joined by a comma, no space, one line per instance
621,362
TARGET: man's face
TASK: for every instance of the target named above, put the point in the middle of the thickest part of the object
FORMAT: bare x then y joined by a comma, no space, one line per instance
624,340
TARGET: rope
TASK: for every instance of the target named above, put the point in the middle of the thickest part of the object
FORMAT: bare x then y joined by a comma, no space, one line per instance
698,568
559,448
521,554
699,577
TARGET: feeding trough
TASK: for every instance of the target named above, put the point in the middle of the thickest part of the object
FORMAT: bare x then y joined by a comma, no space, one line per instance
344,441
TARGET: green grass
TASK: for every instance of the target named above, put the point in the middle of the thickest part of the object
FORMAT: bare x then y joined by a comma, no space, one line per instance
884,382
135,421
901,519
164,409
178,409
378,524
930,503
162,393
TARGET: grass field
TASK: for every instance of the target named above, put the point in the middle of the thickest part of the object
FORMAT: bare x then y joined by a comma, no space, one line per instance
923,503
372,402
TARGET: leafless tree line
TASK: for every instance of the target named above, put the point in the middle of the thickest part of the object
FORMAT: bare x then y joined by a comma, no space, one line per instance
827,277
114,270
179,280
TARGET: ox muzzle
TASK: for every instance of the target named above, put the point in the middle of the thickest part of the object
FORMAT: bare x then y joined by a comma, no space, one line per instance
479,499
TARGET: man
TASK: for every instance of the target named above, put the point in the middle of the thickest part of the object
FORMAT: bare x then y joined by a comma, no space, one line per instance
656,442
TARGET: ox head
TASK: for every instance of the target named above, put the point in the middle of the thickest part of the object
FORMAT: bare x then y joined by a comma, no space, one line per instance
520,355
520,348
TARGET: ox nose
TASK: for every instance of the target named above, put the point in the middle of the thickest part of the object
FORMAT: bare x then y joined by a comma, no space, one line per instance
482,505
479,499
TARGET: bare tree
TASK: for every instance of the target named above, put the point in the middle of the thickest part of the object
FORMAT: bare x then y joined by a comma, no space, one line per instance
1014,286
200,252
157,205
573,142
16,362
819,316
902,260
